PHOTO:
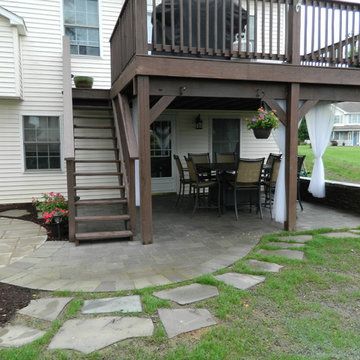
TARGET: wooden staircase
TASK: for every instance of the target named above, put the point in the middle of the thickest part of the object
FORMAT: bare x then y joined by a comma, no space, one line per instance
97,193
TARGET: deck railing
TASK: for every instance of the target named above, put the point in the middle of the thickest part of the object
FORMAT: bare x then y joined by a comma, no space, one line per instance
315,32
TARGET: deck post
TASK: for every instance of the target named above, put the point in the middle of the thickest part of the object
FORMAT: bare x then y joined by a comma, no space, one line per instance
291,155
294,27
144,159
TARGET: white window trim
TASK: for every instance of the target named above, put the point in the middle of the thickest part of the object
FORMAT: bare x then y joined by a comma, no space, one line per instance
22,151
101,48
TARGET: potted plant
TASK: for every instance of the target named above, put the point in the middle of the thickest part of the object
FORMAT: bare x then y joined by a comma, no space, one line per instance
83,82
54,211
263,123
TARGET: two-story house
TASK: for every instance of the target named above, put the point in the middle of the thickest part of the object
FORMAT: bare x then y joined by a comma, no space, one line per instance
184,73
346,129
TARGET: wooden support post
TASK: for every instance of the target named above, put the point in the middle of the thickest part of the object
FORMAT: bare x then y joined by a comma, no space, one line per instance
291,155
294,26
70,172
144,160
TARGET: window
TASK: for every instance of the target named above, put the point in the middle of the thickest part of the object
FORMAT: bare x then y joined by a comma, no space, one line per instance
81,20
41,142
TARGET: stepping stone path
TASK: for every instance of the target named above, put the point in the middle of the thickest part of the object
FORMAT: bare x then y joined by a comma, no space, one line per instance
16,213
263,266
188,294
179,321
88,335
18,335
297,238
289,254
124,304
45,309
341,235
285,245
240,281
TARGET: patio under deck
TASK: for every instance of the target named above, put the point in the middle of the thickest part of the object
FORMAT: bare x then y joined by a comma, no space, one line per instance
184,247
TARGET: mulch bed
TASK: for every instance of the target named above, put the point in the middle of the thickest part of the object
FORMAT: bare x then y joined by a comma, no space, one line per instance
33,216
13,298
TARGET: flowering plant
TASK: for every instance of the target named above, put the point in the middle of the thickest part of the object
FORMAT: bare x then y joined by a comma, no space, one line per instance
264,119
51,204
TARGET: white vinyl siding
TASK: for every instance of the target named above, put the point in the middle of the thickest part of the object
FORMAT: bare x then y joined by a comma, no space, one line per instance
9,61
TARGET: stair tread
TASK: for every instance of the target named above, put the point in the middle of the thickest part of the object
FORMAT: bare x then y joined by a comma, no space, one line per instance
95,137
101,187
103,235
100,202
93,117
98,173
102,217
93,127
94,149
98,161
94,107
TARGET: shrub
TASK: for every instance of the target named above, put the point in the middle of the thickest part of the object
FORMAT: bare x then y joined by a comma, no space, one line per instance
51,204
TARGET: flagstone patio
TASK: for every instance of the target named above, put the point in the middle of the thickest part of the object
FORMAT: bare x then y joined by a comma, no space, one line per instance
184,247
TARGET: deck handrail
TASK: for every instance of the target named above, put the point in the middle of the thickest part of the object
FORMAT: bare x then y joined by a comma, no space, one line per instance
128,151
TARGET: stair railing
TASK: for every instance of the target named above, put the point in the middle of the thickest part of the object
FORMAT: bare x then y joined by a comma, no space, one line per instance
128,151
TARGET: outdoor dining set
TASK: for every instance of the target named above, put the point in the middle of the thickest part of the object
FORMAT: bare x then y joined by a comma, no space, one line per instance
230,181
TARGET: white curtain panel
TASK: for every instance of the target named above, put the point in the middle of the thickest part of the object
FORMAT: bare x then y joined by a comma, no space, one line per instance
280,193
320,122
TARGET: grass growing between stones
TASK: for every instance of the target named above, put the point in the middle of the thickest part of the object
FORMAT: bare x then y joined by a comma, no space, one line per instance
310,310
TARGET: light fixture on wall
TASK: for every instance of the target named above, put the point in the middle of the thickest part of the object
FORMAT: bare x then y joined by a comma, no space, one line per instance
198,123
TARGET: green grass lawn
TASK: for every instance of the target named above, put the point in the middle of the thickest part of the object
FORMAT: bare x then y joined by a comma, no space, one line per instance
342,163
310,310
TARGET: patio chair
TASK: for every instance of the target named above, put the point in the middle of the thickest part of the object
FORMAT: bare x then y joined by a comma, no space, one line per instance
225,157
183,180
248,179
199,184
202,158
271,157
270,183
300,164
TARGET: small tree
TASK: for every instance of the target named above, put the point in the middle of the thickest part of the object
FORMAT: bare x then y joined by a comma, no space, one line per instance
303,131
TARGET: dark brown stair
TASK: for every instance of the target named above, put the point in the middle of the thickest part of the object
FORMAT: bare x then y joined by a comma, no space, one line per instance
122,217
95,149
94,138
100,187
97,161
103,235
98,174
100,202
93,127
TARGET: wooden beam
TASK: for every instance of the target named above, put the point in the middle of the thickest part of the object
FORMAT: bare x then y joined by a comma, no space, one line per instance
144,160
291,155
124,79
93,94
160,106
151,65
274,105
309,104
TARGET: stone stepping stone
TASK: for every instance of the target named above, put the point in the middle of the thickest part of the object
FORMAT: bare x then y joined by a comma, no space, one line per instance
343,234
285,245
18,335
179,321
88,335
16,213
124,304
45,309
355,231
188,294
263,266
289,254
297,238
240,281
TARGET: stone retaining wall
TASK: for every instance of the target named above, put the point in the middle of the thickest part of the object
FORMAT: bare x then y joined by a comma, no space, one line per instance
339,195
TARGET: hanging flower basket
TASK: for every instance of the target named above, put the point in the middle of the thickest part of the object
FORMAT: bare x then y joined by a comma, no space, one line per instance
262,133
263,123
